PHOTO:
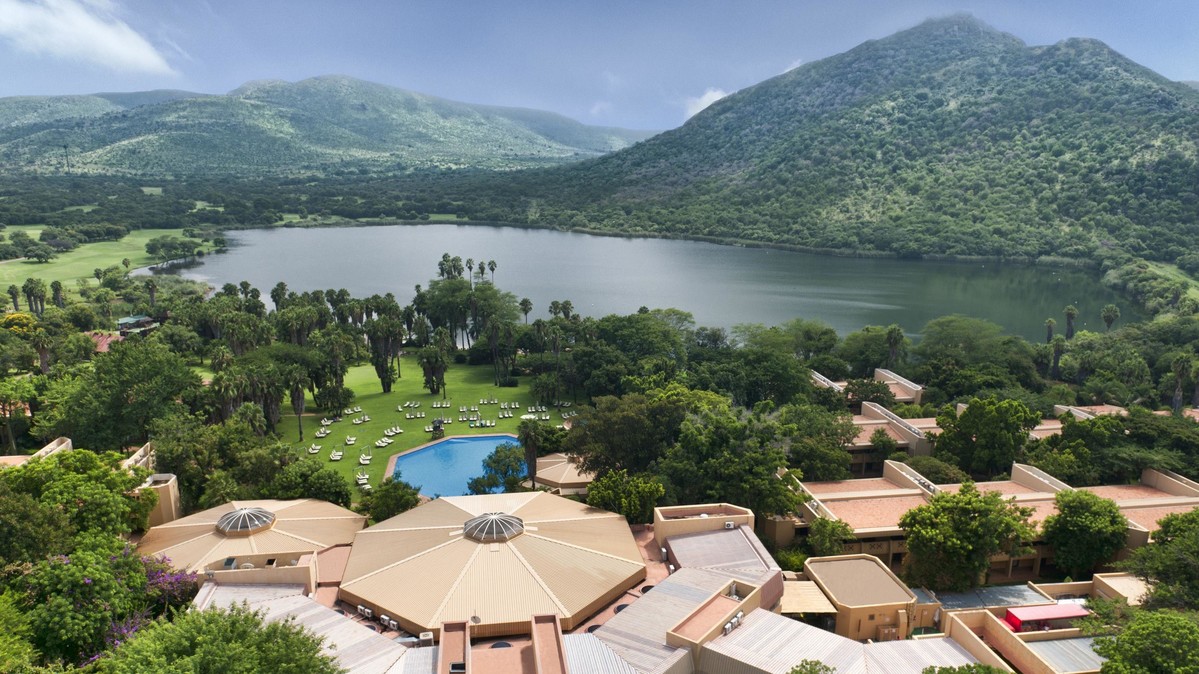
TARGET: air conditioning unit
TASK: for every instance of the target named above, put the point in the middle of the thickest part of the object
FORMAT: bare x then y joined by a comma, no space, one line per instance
740,616
361,610
728,627
384,619
670,568
426,638
730,525
664,555
368,613
393,625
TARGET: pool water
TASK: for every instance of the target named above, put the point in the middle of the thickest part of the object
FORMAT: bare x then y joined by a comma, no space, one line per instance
444,467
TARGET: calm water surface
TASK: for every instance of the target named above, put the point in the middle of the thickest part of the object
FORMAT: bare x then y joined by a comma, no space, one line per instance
721,285
444,468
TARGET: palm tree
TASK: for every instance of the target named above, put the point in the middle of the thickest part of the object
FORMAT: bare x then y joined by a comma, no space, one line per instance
1059,347
491,267
126,262
41,342
1181,366
526,305
555,308
1110,314
1049,325
56,288
15,293
278,294
568,309
530,433
894,336
297,383
152,290
1071,313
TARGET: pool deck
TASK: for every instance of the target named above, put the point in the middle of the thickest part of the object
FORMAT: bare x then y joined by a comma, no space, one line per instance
391,460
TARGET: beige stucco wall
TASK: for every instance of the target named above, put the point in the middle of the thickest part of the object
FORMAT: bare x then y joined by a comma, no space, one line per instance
678,520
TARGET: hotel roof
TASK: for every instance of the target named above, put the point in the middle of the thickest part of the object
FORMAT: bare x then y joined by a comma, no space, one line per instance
874,513
305,525
735,552
355,647
768,642
422,569
857,580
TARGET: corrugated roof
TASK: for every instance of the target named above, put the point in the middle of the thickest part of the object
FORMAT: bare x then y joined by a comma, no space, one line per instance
419,567
305,525
586,654
774,643
355,647
804,596
992,597
1069,655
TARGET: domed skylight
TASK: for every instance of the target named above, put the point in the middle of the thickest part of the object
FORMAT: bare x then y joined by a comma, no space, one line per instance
245,521
493,527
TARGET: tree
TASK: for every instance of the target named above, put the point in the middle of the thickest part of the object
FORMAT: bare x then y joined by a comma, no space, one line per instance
526,306
111,406
953,537
1110,314
1169,563
30,530
307,478
817,439
828,537
812,667
1049,325
56,290
17,654
936,470
433,364
1071,313
15,394
41,252
987,436
895,340
297,388
1059,347
858,391
1086,531
15,294
234,640
530,433
633,496
1153,642
1181,368
151,286
389,499
503,469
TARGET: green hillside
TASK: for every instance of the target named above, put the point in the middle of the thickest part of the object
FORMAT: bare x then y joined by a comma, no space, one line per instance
949,138
280,128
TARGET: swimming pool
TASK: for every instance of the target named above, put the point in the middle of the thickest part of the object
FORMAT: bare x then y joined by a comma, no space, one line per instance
444,467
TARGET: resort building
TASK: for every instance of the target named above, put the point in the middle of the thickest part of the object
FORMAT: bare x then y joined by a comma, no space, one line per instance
55,446
872,507
263,541
561,475
493,560
904,390
871,601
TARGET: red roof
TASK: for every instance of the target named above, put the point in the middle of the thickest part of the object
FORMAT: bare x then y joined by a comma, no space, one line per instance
1048,612
103,340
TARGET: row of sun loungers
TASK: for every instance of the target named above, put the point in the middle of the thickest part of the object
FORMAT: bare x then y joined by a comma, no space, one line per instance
314,448
394,430
383,442
443,404
351,410
350,439
484,423
361,420
414,415
335,455
410,403
364,459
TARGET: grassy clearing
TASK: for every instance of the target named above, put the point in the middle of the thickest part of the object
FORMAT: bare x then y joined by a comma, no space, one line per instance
79,263
156,191
1175,274
464,386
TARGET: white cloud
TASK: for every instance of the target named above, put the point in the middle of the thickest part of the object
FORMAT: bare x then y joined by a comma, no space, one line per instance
79,30
710,96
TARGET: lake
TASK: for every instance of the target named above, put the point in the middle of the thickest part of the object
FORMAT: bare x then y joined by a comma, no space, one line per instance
720,285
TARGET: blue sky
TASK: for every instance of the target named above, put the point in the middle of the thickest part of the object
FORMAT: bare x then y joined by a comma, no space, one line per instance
639,64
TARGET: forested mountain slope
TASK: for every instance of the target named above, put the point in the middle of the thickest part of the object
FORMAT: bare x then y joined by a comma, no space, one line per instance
949,138
280,128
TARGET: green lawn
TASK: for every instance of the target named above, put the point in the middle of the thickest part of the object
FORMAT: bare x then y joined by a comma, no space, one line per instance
464,386
80,262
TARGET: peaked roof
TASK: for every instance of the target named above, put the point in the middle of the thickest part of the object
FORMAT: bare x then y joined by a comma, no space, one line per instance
422,569
194,542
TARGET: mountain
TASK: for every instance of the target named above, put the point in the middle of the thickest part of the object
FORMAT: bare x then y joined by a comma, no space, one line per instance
280,128
948,138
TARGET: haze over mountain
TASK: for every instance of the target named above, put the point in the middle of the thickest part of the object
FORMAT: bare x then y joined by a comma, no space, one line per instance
950,137
271,127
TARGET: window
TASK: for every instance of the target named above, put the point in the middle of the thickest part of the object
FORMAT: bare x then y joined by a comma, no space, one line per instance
870,617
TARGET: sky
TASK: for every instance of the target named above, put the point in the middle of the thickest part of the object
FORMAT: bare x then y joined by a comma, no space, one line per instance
643,64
